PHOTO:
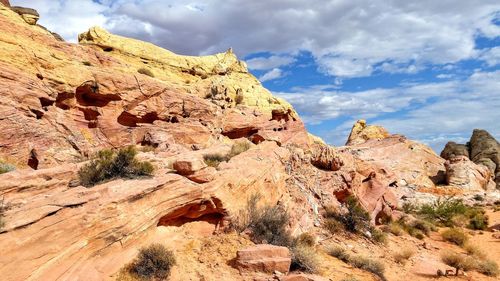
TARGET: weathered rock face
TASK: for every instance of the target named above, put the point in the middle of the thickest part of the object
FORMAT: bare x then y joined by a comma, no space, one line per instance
66,101
453,149
482,149
361,132
30,16
413,164
5,2
462,172
264,258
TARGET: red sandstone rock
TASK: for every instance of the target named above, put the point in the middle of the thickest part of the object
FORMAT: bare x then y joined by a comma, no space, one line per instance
463,173
264,258
302,277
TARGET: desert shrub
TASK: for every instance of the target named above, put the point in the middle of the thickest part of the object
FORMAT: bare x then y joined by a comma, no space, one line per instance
443,210
370,265
239,98
267,224
424,226
457,261
356,219
213,160
478,221
455,236
378,236
305,239
488,267
339,253
473,250
110,164
146,71
238,148
393,228
153,262
5,167
304,258
403,255
332,225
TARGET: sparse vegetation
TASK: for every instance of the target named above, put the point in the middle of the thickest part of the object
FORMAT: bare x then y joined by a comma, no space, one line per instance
304,258
267,224
214,159
404,255
110,164
305,239
153,263
355,219
370,265
393,228
473,250
443,210
6,167
478,220
146,71
455,236
488,267
378,236
458,261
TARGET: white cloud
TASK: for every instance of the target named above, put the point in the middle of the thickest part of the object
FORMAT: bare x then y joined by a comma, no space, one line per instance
262,63
272,74
430,112
491,56
348,38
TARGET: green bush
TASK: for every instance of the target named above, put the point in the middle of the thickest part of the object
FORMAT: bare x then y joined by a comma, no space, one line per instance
153,262
455,236
5,167
146,71
478,221
110,164
443,210
457,261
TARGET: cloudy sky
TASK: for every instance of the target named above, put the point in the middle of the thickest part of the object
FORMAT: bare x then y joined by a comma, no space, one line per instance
427,69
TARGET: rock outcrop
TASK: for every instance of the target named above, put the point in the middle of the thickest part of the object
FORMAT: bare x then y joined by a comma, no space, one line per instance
482,149
462,172
30,16
5,2
264,258
361,132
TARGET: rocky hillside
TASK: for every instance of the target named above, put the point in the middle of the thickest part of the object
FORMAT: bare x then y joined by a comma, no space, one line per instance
214,137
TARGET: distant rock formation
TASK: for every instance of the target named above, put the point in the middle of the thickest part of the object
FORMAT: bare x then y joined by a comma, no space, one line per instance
482,149
361,132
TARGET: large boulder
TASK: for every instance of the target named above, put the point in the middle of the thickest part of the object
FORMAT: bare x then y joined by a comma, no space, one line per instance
264,258
485,150
463,173
29,15
453,149
361,132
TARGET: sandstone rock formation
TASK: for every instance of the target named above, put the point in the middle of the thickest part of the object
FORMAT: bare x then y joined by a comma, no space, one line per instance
462,172
482,149
5,2
264,258
30,16
361,132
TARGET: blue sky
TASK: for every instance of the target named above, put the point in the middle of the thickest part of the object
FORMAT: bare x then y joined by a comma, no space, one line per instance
427,69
